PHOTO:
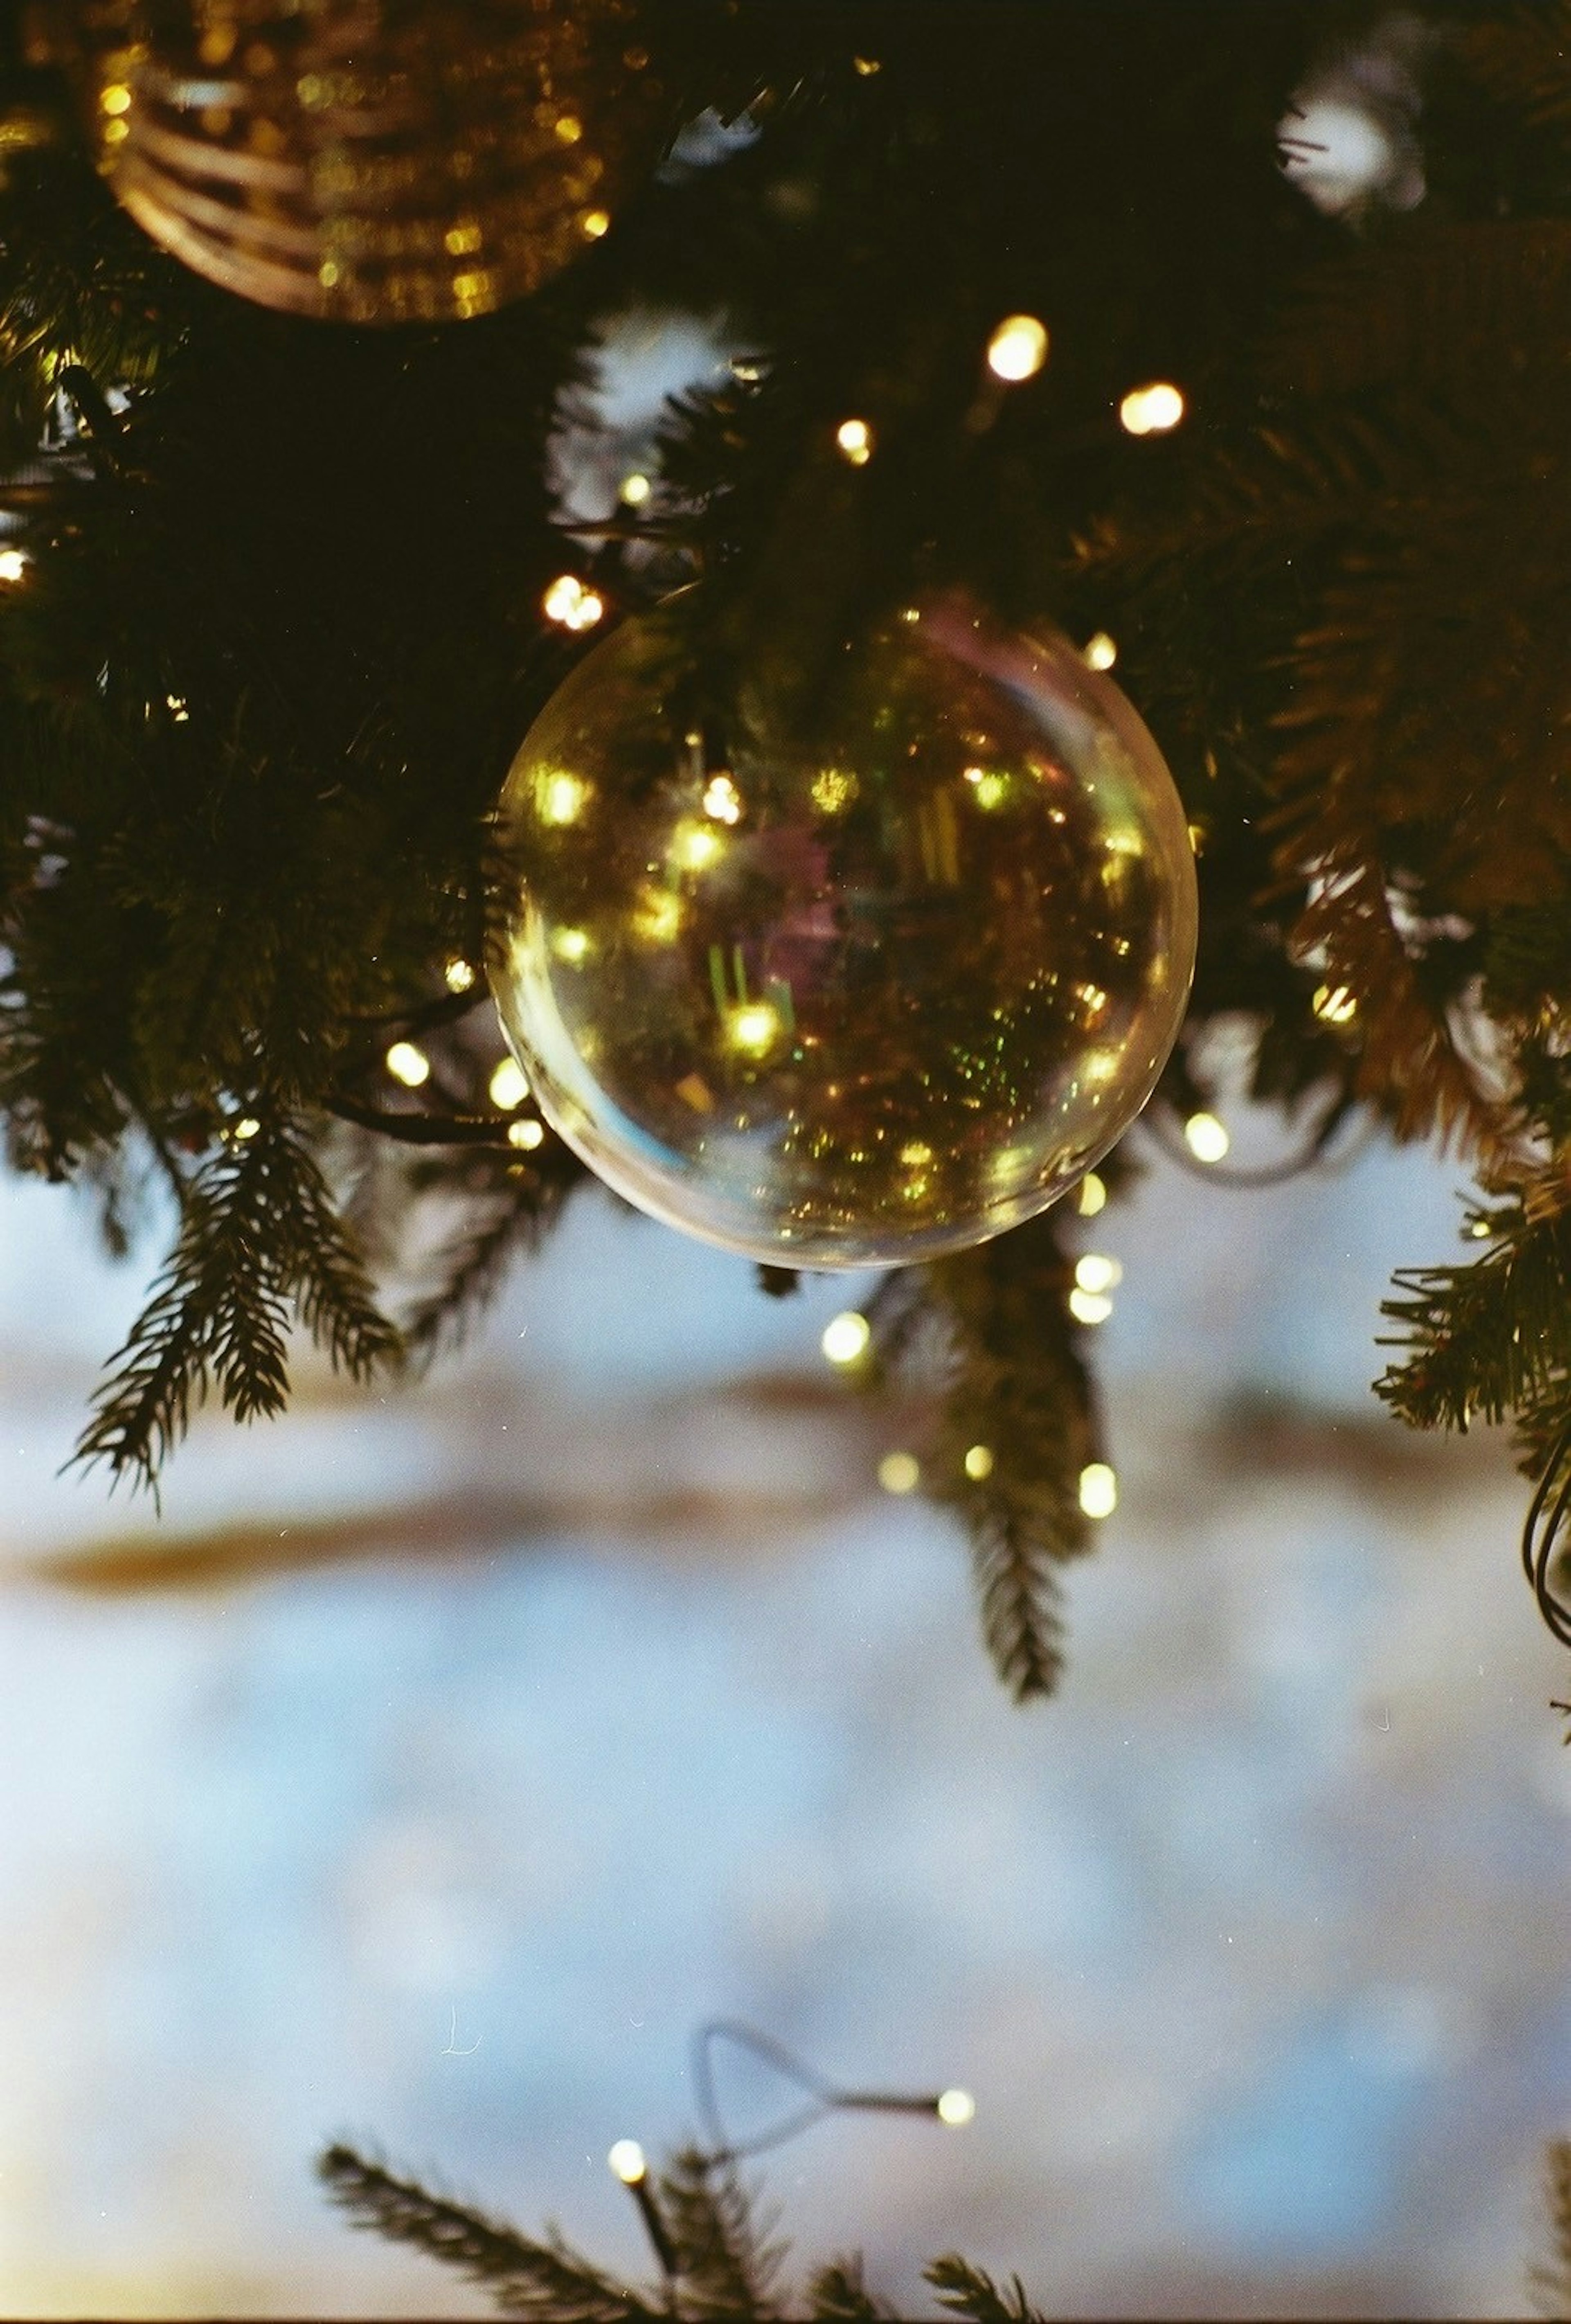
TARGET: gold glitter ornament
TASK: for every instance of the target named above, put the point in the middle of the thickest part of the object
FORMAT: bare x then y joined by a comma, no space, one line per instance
861,996
369,160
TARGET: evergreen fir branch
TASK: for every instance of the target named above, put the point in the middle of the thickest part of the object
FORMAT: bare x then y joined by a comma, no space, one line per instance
1016,1386
725,2264
546,2280
1552,2281
259,1240
1486,1340
837,2295
470,1268
971,2291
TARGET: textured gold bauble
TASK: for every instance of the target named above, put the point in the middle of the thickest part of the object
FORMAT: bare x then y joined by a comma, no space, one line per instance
860,995
369,160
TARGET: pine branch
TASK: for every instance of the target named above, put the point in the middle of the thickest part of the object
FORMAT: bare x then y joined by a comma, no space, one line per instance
1017,1398
724,2264
1489,1339
1552,2281
837,2295
547,2281
259,1241
968,2291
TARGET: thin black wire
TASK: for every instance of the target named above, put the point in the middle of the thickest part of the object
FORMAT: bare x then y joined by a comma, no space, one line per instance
1542,1537
1311,1155
823,2096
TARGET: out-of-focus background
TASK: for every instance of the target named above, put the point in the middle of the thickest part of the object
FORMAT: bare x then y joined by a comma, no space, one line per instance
442,1759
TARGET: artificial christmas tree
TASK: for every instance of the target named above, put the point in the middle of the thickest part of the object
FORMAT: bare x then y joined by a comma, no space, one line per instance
1065,308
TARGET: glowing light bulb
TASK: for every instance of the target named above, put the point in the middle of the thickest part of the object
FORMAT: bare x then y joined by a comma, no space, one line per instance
458,975
626,2160
1017,348
1480,1230
1088,1306
527,1134
1205,1137
977,1465
846,1337
1333,1004
855,438
115,99
569,601
408,1065
1099,1490
508,1085
898,1472
13,564
635,490
1096,1273
245,1129
1152,410
723,799
594,224
569,128
1100,650
754,1028
1092,1196
693,848
956,2108
571,945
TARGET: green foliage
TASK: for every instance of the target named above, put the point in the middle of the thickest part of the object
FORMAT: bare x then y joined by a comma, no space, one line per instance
967,2290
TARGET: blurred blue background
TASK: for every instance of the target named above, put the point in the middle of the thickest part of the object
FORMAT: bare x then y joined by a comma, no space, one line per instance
444,1756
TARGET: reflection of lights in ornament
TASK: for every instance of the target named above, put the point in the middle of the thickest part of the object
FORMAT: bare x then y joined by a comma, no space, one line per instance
1333,1004
867,65
1100,651
527,1134
977,1465
899,1472
13,564
722,800
626,2161
834,790
989,790
508,1085
1095,1273
567,601
408,1065
855,438
1092,1196
846,1337
560,798
178,708
753,1028
763,1079
1099,1490
1017,348
695,849
457,975
1152,410
116,99
1205,1137
594,224
956,2108
1088,1306
569,128
636,489
1198,838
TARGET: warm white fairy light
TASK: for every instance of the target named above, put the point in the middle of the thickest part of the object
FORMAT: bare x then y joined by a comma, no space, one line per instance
899,1472
845,1337
1092,1196
594,224
627,2162
508,1085
1099,1490
408,1065
695,847
14,565
1101,651
1097,1272
1017,348
1205,1137
560,798
527,1135
1333,1004
979,1464
855,439
1152,410
571,945
178,707
458,975
722,800
1090,1307
245,1129
569,601
636,489
956,2108
754,1028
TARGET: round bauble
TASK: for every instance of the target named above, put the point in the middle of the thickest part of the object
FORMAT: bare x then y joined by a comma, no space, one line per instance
855,988
369,160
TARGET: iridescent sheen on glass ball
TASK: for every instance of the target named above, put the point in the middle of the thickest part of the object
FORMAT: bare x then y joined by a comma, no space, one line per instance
858,988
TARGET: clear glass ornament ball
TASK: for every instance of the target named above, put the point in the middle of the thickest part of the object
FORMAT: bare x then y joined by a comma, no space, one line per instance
851,989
